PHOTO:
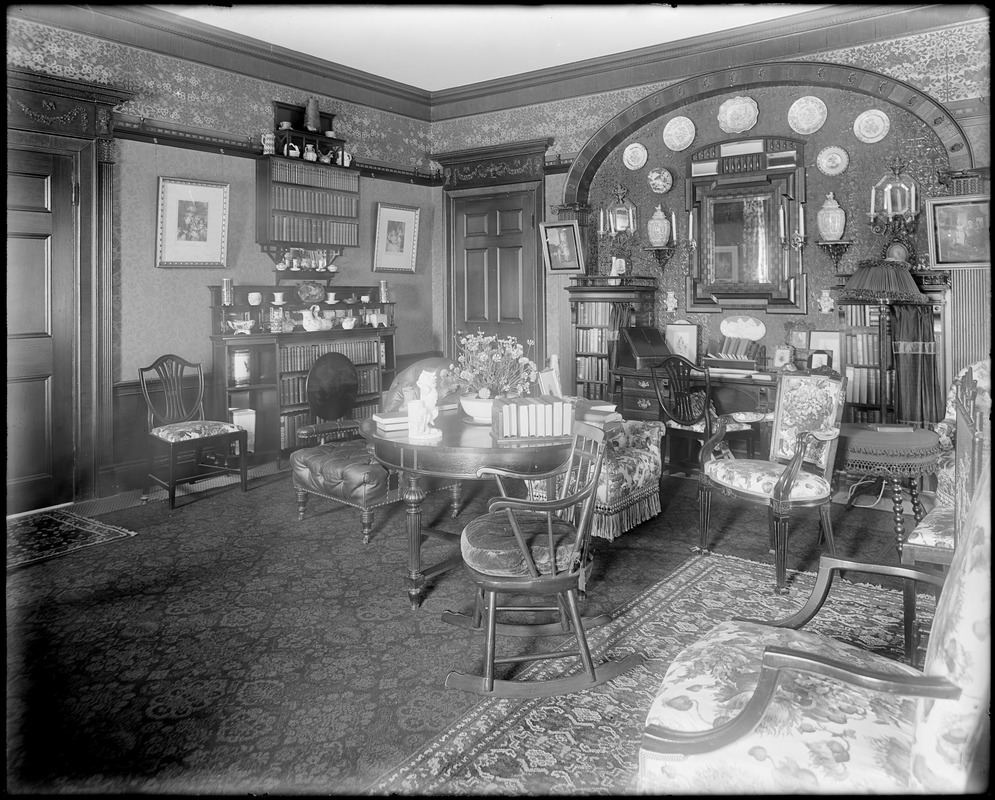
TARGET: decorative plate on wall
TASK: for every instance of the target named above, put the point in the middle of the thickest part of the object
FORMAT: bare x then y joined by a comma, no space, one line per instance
871,126
634,156
678,134
807,115
660,180
738,115
833,160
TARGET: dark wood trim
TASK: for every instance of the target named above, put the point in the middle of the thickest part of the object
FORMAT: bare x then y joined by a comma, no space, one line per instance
751,76
103,309
513,162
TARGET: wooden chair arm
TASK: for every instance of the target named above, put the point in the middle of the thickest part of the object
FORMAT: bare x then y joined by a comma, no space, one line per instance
829,567
524,504
775,660
782,489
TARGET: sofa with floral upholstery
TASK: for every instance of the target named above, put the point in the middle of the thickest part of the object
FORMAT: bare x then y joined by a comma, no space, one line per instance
759,709
629,486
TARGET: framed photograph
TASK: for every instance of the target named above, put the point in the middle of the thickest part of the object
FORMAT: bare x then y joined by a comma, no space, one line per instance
958,231
819,358
828,342
192,224
783,355
798,339
726,263
396,240
682,339
561,250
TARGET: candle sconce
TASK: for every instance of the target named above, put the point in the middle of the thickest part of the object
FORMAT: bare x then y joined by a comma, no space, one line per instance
796,241
619,218
894,212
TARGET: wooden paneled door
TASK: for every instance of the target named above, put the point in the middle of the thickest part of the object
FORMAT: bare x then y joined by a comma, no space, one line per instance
496,277
41,327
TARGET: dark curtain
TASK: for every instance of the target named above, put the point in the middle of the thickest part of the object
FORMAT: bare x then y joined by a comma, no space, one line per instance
918,396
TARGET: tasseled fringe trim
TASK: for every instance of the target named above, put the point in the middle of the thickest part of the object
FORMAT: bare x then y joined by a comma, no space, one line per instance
610,525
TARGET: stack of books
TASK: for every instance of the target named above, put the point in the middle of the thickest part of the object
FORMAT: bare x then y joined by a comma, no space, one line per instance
391,420
734,353
546,418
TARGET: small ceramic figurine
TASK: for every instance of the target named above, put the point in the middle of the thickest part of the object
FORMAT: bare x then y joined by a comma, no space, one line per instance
422,412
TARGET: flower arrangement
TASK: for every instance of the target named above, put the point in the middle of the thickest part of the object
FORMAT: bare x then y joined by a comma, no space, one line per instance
489,365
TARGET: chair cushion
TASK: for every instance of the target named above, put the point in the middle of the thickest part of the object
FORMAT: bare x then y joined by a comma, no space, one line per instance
818,735
758,478
935,530
489,545
699,427
344,471
193,429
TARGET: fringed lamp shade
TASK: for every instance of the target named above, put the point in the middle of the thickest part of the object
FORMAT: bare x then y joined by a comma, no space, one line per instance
882,280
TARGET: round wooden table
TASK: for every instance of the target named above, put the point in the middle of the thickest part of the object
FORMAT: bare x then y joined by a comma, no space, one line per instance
462,450
897,457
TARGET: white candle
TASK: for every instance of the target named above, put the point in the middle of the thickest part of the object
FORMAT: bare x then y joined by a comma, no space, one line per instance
801,220
887,201
632,220
691,224
601,222
673,227
912,200
780,222
873,192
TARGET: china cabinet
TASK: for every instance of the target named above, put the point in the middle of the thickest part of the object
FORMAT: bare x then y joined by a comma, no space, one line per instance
266,369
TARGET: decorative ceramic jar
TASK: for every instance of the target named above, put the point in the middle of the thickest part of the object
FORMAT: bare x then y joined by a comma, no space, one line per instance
658,228
478,409
831,220
310,154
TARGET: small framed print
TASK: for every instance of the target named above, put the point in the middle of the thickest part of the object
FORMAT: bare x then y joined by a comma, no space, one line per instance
820,358
561,250
682,339
798,339
396,240
958,230
783,355
192,228
829,342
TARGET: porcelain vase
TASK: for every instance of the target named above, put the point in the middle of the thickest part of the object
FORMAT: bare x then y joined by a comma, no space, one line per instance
478,409
831,220
658,228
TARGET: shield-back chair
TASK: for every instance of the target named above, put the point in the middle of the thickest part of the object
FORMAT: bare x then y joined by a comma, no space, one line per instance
195,448
798,470
536,548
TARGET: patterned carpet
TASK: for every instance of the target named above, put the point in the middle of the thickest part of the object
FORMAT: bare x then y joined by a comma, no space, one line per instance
587,742
47,534
229,648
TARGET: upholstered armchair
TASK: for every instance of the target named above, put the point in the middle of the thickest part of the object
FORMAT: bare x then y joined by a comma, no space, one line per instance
629,486
767,708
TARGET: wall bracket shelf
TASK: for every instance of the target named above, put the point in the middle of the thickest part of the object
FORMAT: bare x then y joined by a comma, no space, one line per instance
835,251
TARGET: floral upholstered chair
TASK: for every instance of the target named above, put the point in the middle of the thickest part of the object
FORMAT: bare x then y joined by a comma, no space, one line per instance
798,470
767,708
629,486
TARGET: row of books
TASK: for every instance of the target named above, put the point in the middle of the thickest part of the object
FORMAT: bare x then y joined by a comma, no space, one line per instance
733,347
864,385
310,175
863,415
862,315
300,357
312,229
593,313
308,201
592,368
592,340
293,390
546,416
862,348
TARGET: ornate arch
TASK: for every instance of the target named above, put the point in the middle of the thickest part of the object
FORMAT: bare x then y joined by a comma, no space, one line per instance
710,84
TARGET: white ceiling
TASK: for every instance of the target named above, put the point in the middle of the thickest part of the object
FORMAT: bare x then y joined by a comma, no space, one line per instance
443,47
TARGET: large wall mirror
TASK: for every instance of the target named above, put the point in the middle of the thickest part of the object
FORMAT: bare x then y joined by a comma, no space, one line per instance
745,198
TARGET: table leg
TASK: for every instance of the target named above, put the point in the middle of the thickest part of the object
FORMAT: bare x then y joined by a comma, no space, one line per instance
413,496
918,512
898,506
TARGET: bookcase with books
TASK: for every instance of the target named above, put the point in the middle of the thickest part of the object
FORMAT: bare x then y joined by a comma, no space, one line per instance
265,371
599,307
869,366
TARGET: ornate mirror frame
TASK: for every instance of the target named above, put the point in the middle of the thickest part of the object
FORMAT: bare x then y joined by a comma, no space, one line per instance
750,261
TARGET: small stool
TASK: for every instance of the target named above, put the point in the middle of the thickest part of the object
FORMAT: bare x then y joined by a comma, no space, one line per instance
894,456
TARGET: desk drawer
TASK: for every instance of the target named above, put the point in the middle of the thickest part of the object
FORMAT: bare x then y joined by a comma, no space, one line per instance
640,406
636,385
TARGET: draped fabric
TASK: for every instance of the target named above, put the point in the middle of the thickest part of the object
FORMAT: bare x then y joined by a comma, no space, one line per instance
754,241
918,398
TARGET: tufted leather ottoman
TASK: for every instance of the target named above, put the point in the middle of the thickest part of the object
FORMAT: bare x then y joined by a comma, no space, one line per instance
346,472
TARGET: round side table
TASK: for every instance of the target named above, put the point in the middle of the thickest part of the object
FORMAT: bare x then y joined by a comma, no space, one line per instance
895,456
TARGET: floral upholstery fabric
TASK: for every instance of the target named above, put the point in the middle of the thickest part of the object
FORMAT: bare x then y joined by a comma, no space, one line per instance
821,735
758,478
629,486
935,530
946,428
193,429
805,403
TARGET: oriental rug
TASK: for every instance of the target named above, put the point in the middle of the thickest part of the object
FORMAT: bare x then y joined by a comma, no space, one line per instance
588,742
47,534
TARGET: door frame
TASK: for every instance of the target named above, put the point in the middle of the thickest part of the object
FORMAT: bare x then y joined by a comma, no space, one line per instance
537,190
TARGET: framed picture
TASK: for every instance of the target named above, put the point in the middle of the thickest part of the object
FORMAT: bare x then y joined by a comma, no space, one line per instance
958,231
726,263
396,240
828,342
561,250
192,224
682,339
819,358
798,339
783,355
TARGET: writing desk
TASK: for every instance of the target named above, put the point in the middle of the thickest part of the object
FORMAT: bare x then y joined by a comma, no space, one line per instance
462,450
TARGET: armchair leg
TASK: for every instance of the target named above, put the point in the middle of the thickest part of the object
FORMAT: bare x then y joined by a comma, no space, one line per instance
704,512
827,527
366,521
456,493
172,478
780,533
147,480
